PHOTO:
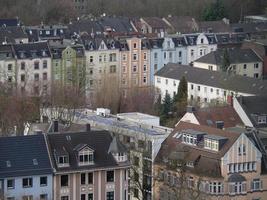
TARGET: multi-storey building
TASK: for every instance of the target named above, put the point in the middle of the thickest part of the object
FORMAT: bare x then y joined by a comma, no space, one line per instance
205,86
102,63
68,64
209,163
33,68
88,165
199,45
166,50
7,65
135,63
26,171
244,62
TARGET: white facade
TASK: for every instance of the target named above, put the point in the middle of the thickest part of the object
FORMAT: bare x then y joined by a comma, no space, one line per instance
200,92
8,70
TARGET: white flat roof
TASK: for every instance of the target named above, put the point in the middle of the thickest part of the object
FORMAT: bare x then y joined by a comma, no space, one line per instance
137,116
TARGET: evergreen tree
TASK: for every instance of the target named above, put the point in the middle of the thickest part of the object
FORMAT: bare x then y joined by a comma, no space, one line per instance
180,99
216,11
226,60
166,105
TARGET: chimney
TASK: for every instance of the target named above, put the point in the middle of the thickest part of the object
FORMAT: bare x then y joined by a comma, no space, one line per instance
88,127
220,124
55,125
190,109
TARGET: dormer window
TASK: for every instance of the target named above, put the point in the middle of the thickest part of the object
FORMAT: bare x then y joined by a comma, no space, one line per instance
262,119
86,157
189,139
214,142
63,161
242,150
190,164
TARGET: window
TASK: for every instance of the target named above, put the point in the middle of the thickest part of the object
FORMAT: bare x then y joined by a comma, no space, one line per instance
22,66
245,66
145,68
63,160
144,79
44,64
9,67
110,176
170,56
158,80
201,52
136,193
211,144
198,88
211,90
165,55
155,56
134,45
86,157
9,79
100,58
90,178
64,180
215,187
28,197
10,184
83,196
192,52
242,167
237,188
145,56
43,197
83,179
202,41
90,196
217,91
65,198
110,195
22,77
36,65
242,150
36,77
155,67
180,54
91,59
124,57
26,182
192,86
44,76
166,81
134,68
112,69
210,67
189,139
136,161
256,65
43,181
256,75
256,185
134,56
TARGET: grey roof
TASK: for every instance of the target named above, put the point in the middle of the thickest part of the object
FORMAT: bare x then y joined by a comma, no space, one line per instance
98,141
193,132
20,151
182,24
6,52
235,83
32,50
214,26
117,24
254,105
9,34
236,55
93,43
215,137
116,146
236,178
9,22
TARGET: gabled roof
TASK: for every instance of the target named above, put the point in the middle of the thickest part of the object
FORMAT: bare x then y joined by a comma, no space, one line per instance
182,24
116,146
208,116
99,141
236,56
156,22
20,151
205,161
236,83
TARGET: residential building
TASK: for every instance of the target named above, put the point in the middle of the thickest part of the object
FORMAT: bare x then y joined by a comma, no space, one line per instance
33,68
134,63
199,45
68,63
26,171
142,136
205,86
252,110
209,163
88,165
154,25
181,24
166,50
218,117
220,26
13,35
7,65
102,63
244,62
252,30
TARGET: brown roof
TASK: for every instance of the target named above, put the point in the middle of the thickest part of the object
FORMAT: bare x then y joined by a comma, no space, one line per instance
226,114
207,162
182,24
156,22
214,26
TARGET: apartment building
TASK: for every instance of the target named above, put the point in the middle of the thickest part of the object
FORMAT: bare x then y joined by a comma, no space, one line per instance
33,68
205,86
26,171
68,63
7,65
243,62
102,62
88,165
135,63
209,163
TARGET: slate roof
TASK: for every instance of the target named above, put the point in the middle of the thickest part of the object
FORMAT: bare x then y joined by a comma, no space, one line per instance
6,52
20,152
9,34
236,56
232,38
32,50
205,161
227,114
249,27
93,43
117,24
9,22
254,105
217,79
98,141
